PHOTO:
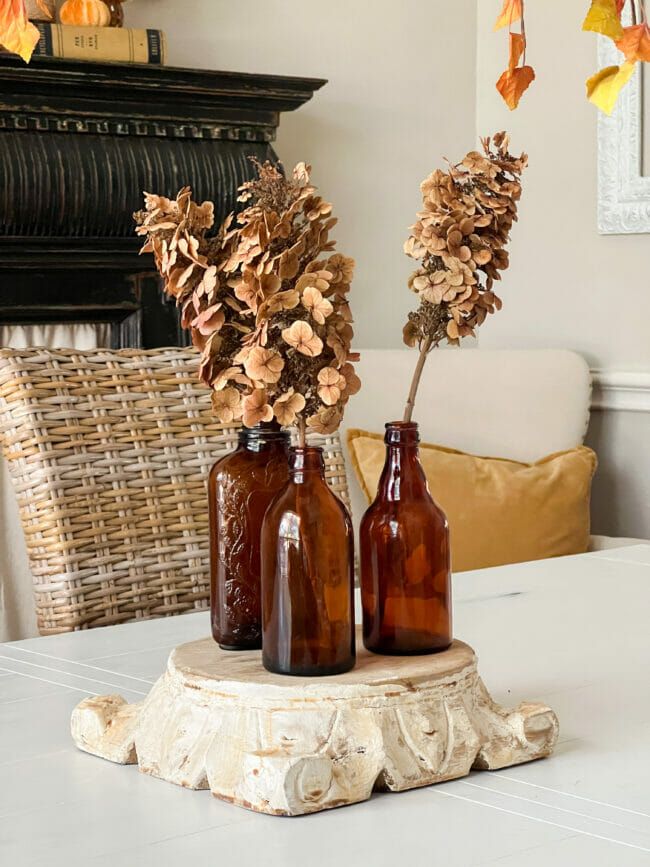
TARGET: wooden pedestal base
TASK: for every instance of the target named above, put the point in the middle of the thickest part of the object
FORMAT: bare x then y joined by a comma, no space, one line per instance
288,746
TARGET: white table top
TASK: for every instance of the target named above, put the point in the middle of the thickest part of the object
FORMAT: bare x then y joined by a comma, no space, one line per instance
572,632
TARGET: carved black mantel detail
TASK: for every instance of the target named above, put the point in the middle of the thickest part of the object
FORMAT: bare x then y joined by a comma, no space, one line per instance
78,144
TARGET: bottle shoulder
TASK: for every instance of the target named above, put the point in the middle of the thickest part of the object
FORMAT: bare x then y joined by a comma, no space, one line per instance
248,476
318,500
405,511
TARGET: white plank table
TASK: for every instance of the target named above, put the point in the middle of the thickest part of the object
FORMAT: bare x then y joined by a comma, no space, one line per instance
574,632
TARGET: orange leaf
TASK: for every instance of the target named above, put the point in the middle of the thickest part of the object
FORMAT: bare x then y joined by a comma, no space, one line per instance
45,9
17,34
510,13
517,47
604,87
513,83
635,43
604,17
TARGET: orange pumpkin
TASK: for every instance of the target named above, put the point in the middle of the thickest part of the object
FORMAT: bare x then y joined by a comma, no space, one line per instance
85,13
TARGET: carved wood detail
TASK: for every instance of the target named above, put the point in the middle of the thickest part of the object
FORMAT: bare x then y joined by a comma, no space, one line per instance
290,745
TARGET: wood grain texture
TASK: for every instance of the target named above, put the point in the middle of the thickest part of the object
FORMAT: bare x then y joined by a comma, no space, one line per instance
288,746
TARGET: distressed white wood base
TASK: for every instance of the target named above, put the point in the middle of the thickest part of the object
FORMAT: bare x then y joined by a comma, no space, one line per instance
287,746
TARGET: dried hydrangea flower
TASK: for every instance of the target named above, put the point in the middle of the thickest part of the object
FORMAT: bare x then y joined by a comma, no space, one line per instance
459,241
265,297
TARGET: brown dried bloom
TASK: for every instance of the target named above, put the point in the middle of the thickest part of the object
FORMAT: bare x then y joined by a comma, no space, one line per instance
190,262
255,408
301,336
319,307
263,365
459,242
326,420
331,385
226,404
265,297
459,239
287,406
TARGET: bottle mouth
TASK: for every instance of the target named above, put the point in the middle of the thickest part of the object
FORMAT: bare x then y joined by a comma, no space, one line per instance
402,433
303,458
263,434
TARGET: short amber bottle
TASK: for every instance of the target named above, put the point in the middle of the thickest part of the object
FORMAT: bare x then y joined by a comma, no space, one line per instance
405,558
307,574
240,487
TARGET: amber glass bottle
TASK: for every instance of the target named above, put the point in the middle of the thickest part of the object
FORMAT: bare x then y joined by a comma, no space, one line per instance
240,488
405,560
307,574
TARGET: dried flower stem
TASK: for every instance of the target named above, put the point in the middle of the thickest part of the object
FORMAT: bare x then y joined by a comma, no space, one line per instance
302,432
425,348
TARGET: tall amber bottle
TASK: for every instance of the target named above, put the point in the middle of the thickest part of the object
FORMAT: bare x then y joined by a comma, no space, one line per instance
307,574
405,558
240,488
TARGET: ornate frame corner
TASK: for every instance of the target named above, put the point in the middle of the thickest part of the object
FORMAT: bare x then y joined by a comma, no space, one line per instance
623,192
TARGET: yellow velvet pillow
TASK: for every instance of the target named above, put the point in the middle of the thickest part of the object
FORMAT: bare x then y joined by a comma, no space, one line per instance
499,511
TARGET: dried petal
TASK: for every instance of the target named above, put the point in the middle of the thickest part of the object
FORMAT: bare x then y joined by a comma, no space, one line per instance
302,338
287,406
319,307
256,409
263,365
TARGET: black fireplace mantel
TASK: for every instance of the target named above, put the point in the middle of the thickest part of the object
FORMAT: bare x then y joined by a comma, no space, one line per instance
79,142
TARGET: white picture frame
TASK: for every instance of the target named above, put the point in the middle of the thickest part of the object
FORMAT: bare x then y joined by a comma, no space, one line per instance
623,190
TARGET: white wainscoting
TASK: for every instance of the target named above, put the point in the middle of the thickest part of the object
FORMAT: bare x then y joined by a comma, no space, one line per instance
627,390
619,433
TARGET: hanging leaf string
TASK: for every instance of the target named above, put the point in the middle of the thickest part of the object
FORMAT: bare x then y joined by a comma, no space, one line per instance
604,17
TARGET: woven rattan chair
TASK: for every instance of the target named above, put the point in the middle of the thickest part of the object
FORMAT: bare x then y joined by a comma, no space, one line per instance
109,453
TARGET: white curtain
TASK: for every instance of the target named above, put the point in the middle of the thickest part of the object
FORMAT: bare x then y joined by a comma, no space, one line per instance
17,610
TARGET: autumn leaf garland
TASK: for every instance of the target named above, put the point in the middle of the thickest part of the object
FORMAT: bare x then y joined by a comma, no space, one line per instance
516,79
633,41
604,17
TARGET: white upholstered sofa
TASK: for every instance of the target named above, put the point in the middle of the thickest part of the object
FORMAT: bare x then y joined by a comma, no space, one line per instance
521,405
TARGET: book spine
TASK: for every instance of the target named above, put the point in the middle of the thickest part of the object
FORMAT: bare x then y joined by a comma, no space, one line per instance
101,43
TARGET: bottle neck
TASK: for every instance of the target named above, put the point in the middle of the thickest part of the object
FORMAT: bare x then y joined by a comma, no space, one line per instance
263,437
402,476
306,464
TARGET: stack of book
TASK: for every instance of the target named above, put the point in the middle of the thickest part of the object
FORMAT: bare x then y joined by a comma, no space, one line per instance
94,43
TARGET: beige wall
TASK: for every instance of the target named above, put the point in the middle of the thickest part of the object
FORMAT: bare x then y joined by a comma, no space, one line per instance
569,286
400,95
